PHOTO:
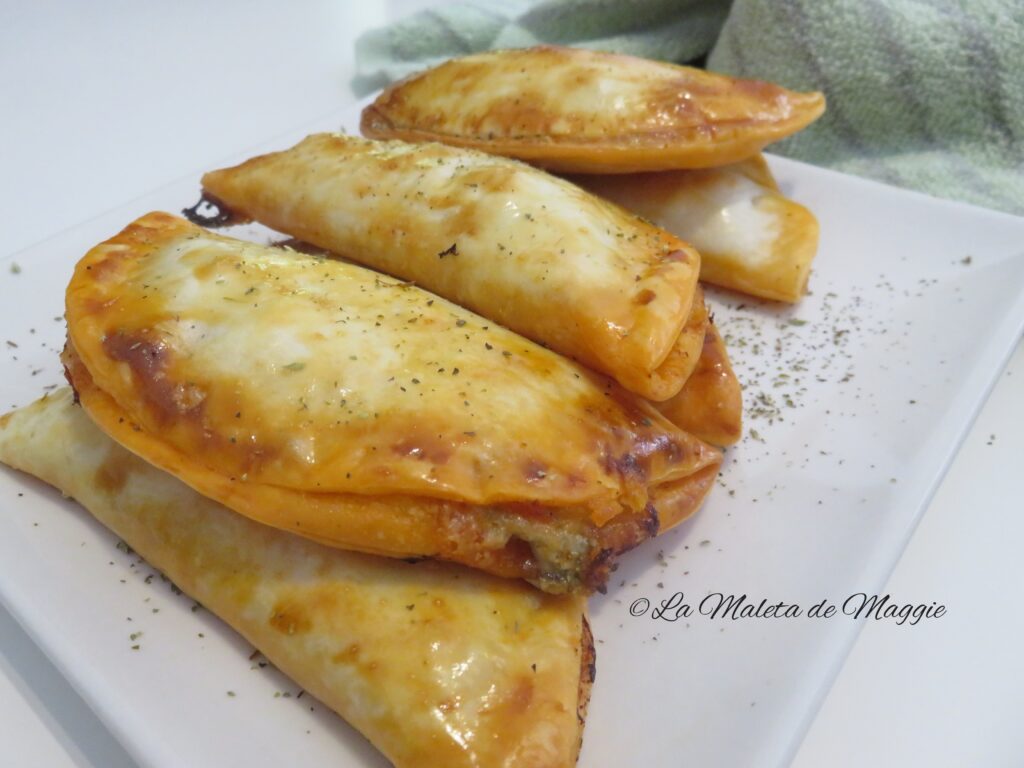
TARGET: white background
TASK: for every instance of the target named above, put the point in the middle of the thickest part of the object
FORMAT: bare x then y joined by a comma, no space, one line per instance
101,102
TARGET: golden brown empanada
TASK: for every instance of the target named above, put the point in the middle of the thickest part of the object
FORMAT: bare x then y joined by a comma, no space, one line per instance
751,237
436,664
581,111
360,411
710,405
514,244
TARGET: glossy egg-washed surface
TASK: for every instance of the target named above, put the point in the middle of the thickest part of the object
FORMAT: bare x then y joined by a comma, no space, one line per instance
437,665
352,408
750,236
710,405
575,110
508,241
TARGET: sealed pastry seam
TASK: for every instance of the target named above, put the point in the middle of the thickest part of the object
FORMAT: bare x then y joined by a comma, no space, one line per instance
710,404
575,110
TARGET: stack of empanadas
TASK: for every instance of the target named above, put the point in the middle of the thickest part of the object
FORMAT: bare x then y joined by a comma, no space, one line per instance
526,384
366,413
436,664
623,121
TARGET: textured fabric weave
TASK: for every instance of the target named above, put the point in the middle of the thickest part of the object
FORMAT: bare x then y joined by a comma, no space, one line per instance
672,30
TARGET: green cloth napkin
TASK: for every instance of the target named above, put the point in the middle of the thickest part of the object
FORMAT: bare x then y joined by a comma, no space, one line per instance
672,30
925,94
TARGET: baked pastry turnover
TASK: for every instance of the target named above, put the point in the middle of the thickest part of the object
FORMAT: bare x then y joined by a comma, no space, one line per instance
363,412
750,236
581,111
436,664
508,241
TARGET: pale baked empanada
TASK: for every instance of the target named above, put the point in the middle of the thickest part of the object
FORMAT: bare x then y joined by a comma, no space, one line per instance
751,237
710,404
508,241
436,664
582,111
349,407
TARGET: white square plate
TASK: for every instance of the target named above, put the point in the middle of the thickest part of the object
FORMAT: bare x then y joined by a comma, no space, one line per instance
856,401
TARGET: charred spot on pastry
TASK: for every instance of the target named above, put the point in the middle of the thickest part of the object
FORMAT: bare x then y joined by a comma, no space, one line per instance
211,213
645,297
651,521
589,654
619,535
68,358
290,619
597,574
628,465
149,360
588,673
74,390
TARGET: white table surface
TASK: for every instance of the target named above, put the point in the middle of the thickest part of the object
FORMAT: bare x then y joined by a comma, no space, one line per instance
101,102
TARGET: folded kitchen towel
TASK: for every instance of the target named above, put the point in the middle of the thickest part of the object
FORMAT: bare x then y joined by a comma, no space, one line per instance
921,94
673,30
925,94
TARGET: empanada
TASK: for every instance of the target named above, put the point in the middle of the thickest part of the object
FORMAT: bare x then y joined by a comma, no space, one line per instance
750,236
508,241
581,111
436,664
320,397
710,405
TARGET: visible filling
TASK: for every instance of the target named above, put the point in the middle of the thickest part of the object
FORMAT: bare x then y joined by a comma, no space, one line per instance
558,550
555,553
